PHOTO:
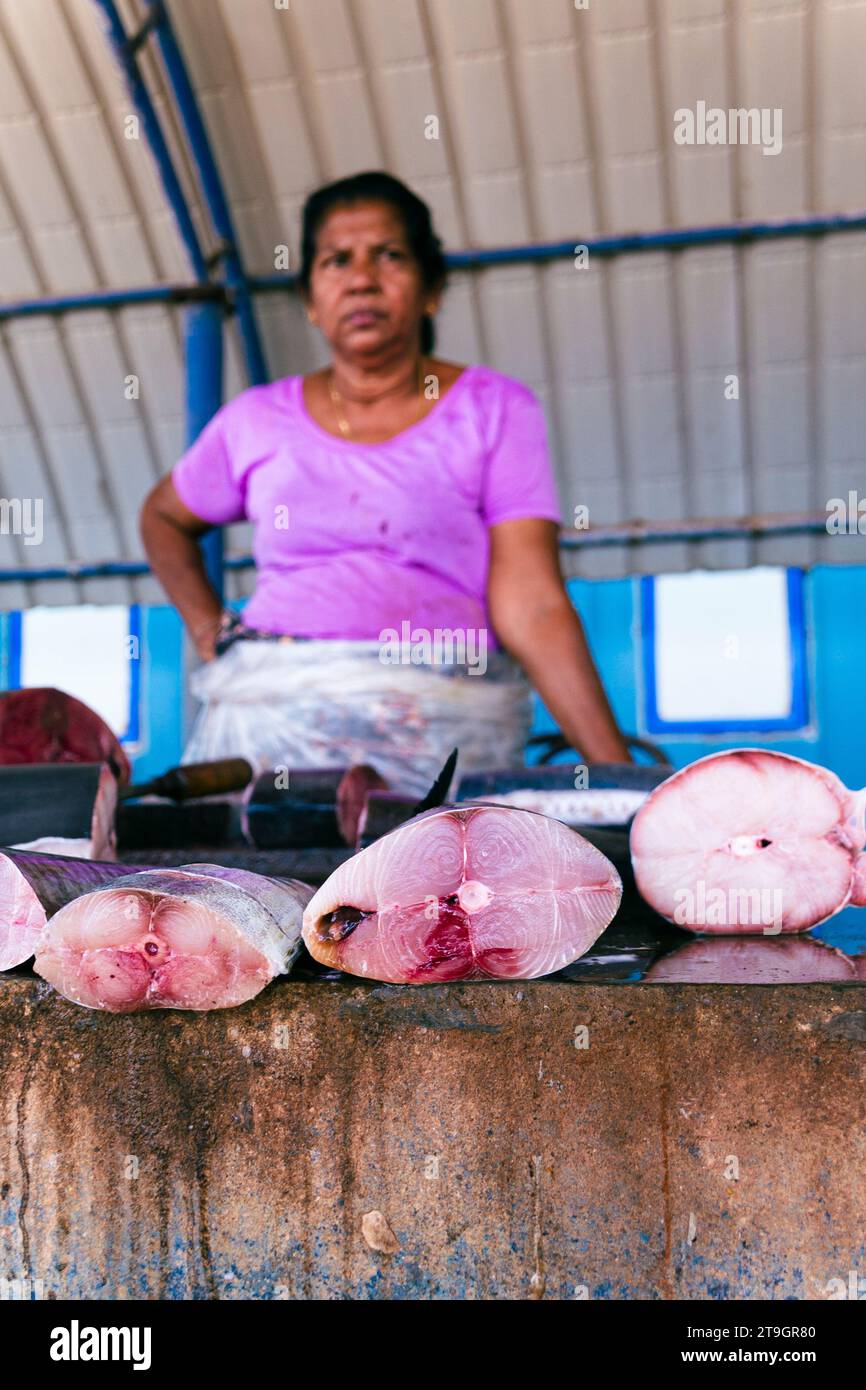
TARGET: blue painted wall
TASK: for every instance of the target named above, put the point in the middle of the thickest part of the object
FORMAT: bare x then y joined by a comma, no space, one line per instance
162,696
610,609
835,604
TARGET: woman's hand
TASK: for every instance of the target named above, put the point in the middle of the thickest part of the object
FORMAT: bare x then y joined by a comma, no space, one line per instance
204,638
535,621
170,533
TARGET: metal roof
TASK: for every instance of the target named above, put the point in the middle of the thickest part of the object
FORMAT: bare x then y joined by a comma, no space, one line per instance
555,123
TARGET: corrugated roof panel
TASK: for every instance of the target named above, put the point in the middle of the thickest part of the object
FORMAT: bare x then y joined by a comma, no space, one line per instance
843,294
41,42
594,480
554,123
277,111
512,296
845,417
39,190
841,105
120,424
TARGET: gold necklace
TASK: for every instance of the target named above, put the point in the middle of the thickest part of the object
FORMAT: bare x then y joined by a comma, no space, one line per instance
336,398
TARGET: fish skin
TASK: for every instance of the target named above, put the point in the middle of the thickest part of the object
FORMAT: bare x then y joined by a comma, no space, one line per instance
424,922
235,932
283,898
744,821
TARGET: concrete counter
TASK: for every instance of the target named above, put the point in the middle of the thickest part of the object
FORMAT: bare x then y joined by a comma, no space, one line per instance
542,1139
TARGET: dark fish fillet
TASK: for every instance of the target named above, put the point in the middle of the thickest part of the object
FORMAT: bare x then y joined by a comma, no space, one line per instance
318,807
150,825
43,725
199,937
559,777
382,812
464,893
71,801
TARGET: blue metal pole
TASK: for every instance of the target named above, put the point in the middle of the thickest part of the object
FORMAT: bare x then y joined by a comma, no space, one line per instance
204,389
672,239
111,569
211,182
262,284
110,299
125,51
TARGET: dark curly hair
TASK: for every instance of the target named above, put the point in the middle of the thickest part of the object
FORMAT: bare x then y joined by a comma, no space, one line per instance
377,186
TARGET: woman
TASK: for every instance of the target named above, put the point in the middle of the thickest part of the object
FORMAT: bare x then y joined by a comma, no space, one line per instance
397,498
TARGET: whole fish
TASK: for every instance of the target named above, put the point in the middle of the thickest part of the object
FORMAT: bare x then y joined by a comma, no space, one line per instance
33,886
198,937
750,841
462,893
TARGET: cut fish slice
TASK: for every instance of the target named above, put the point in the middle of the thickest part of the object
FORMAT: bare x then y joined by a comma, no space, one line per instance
33,886
464,893
199,937
750,841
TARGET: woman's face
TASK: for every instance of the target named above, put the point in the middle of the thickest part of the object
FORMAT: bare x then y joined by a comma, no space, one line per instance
366,292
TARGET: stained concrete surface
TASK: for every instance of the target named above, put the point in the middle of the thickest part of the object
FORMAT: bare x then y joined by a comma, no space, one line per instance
336,1139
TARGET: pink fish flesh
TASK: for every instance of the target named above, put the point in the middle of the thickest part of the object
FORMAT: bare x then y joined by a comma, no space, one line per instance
464,893
33,886
199,937
750,841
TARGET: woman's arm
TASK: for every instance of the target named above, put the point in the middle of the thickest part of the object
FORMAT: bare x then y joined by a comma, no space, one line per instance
170,534
534,620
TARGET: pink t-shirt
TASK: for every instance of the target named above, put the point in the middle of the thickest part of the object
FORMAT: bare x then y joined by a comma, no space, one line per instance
351,539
